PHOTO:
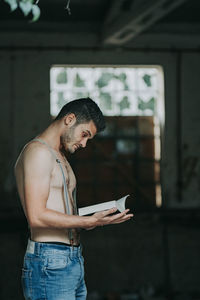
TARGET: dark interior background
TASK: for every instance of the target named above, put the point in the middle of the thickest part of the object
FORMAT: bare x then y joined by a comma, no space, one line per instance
156,255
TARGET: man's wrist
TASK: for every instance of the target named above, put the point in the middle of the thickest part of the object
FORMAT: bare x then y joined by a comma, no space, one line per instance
90,222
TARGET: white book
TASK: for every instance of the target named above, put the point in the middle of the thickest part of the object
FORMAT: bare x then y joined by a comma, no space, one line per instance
88,210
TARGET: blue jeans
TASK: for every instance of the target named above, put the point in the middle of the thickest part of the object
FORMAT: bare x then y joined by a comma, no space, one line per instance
53,272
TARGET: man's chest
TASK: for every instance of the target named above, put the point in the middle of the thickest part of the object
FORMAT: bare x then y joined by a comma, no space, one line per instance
62,171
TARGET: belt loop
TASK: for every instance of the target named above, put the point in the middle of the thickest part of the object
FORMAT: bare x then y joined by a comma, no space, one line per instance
71,252
37,248
30,247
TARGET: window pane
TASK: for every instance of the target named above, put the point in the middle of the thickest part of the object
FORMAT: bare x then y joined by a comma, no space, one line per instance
118,91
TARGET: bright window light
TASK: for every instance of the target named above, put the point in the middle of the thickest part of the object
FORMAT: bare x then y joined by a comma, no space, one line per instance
119,91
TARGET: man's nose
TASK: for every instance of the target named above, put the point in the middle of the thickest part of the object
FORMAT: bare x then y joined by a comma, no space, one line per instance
83,143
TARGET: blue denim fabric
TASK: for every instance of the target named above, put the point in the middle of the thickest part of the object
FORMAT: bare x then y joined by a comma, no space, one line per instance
53,272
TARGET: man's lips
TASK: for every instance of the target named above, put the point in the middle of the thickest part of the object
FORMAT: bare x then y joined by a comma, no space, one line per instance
77,146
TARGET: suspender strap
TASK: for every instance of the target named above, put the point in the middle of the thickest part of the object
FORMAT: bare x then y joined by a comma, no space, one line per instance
66,198
65,187
74,201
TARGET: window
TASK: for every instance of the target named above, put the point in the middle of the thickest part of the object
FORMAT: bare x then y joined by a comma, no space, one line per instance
126,156
118,91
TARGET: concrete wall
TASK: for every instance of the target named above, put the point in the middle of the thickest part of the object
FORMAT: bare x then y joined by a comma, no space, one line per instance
159,248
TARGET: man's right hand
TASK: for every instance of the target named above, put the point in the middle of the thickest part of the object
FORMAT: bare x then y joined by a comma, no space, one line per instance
107,218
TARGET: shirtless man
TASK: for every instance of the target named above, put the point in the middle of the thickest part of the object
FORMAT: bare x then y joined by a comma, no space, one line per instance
53,263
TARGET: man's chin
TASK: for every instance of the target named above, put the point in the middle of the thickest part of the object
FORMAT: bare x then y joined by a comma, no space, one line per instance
71,151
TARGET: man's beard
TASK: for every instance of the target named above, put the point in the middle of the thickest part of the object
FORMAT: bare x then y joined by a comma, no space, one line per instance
67,139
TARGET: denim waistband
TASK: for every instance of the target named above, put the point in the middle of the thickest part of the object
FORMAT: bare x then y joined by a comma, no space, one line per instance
39,248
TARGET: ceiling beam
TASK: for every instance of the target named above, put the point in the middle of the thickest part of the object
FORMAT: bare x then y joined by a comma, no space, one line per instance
122,26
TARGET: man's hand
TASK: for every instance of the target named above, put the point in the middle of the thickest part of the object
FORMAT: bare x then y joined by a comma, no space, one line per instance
105,218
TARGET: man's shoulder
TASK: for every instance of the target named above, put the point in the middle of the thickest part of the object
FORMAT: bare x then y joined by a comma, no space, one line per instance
35,151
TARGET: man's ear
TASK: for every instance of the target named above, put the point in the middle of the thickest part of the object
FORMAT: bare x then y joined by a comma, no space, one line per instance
70,119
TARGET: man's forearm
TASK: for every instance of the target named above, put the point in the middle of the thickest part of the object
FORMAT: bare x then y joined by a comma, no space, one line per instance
54,219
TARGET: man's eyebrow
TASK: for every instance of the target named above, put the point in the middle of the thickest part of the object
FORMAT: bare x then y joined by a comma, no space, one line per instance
89,133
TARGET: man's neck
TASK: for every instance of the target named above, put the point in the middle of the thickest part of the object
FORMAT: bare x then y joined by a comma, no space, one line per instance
51,135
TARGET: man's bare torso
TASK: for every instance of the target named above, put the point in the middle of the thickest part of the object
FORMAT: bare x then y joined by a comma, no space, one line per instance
55,200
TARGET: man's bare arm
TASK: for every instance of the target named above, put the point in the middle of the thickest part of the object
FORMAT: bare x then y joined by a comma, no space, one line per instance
38,166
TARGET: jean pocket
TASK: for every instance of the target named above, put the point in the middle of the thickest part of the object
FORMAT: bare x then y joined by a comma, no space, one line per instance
26,273
26,283
54,263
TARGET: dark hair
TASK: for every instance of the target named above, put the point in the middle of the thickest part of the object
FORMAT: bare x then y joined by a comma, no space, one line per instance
85,110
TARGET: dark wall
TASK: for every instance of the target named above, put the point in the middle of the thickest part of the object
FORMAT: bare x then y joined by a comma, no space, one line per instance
158,248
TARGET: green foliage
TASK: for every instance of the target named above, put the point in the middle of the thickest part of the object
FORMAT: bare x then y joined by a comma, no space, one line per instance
29,6
122,77
124,103
111,87
142,105
26,6
35,12
147,80
106,101
79,95
78,81
13,4
104,79
61,77
61,100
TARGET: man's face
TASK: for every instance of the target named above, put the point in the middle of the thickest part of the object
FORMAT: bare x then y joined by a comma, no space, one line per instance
76,136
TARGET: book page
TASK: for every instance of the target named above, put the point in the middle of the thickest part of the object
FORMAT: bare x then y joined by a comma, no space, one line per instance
119,204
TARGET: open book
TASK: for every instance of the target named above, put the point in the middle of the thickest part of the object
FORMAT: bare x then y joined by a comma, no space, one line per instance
88,210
